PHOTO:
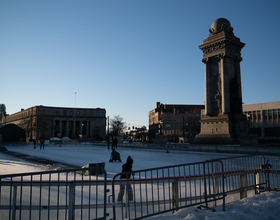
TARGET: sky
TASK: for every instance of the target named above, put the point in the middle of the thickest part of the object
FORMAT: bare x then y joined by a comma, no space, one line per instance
125,55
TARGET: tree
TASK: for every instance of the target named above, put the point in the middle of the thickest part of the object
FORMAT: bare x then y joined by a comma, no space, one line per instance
117,125
27,125
43,123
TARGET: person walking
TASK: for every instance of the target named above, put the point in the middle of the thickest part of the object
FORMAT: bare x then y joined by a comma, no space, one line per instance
113,143
127,167
108,143
116,143
34,143
42,140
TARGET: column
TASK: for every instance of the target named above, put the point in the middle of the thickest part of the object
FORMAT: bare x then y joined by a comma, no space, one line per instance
88,129
60,127
81,128
67,128
237,66
53,128
74,129
224,85
207,87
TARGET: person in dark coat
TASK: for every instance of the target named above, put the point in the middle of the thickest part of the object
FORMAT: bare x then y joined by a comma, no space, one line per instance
113,144
116,143
126,168
42,143
34,143
108,143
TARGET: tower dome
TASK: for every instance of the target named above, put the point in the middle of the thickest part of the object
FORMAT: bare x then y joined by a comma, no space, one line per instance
220,24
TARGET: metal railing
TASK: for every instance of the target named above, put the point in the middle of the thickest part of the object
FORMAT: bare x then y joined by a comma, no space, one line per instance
63,194
244,173
273,170
155,191
82,193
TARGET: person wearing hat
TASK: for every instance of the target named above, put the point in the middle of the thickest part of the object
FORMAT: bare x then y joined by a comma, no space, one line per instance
127,167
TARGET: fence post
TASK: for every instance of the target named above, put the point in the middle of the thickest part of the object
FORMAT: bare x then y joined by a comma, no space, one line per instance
257,181
175,196
243,184
71,210
126,199
14,203
215,190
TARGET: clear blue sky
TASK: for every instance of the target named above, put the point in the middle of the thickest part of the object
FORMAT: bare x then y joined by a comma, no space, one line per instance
125,56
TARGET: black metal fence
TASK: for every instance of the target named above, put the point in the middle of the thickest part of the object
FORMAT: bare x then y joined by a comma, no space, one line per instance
87,194
273,170
160,190
63,194
206,184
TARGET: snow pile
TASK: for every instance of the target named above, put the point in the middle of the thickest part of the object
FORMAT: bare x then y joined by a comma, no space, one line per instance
259,207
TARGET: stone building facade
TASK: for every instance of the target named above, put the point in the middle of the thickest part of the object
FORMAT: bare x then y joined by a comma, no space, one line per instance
174,121
43,121
264,119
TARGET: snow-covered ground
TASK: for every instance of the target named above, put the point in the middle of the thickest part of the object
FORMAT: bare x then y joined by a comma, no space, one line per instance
263,206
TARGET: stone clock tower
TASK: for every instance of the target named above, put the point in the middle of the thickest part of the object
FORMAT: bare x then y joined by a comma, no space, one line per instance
223,120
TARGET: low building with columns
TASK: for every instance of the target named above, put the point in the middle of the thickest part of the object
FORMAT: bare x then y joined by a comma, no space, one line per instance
45,122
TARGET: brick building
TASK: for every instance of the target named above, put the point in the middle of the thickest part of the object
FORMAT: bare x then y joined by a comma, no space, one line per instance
174,121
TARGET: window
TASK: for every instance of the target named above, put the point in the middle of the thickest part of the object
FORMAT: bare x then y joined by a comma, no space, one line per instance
168,132
265,114
259,114
78,113
270,114
274,113
179,125
43,112
97,113
57,112
84,113
71,113
254,118
64,112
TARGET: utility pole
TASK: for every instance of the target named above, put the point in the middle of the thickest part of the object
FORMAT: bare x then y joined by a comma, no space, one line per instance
108,127
184,128
108,137
74,122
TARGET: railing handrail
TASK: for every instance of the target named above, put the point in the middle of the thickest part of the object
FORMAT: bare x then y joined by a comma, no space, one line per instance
252,166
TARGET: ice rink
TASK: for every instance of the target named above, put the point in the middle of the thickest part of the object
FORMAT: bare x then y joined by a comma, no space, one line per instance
263,206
